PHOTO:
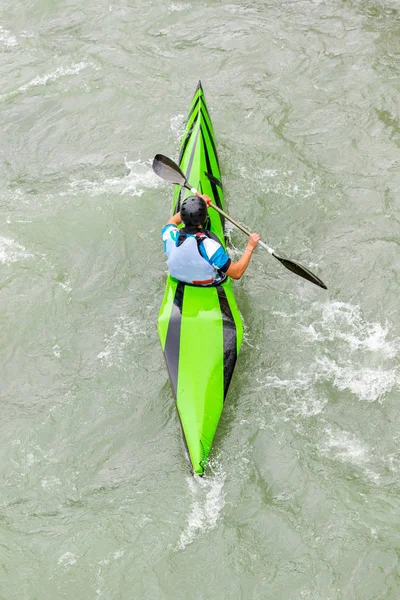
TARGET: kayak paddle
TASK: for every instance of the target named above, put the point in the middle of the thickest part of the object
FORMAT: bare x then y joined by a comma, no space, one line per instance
168,170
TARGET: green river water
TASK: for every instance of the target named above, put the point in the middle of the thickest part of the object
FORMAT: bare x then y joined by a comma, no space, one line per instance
301,496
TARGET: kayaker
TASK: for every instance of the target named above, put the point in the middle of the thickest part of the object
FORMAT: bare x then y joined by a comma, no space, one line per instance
194,254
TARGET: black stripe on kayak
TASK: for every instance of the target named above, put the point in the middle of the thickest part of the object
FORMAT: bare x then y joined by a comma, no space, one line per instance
213,184
211,138
203,461
184,145
196,139
214,187
181,154
194,107
201,99
211,177
229,334
173,340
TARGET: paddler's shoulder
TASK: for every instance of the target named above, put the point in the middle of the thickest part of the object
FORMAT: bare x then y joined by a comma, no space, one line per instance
214,250
169,230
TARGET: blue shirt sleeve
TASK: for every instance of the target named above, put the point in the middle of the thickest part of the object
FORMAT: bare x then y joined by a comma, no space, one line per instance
169,234
214,253
220,260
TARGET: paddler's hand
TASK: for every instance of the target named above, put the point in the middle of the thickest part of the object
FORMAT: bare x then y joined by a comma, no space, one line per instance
206,199
253,241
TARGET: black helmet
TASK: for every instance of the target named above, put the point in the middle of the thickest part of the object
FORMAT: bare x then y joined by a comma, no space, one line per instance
194,211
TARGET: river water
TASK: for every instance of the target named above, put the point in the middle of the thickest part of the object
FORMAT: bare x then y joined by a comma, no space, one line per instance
301,496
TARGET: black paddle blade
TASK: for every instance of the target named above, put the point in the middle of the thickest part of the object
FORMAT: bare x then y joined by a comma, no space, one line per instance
165,168
302,271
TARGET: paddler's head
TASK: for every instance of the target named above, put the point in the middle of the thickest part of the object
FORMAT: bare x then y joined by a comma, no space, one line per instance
194,212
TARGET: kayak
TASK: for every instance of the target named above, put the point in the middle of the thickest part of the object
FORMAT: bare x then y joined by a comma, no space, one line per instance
200,328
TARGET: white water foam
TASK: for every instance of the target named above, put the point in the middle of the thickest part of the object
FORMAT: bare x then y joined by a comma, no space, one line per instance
347,448
66,285
361,358
178,126
49,77
305,401
125,329
67,559
366,383
237,9
233,252
101,589
208,499
11,251
355,355
27,34
112,556
140,177
179,7
50,483
270,172
344,446
7,39
281,183
344,321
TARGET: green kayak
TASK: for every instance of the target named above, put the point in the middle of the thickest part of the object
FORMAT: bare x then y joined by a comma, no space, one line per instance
200,328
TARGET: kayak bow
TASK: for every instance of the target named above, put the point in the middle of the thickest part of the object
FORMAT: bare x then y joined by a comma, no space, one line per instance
200,328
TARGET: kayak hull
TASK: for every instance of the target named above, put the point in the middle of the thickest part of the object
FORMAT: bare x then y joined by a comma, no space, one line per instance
200,328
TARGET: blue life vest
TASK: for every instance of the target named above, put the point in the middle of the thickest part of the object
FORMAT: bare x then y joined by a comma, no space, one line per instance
186,263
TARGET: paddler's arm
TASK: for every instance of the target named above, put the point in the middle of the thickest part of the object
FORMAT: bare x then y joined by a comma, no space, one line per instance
175,219
237,269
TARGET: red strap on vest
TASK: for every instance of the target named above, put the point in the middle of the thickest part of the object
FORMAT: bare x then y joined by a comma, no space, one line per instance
204,282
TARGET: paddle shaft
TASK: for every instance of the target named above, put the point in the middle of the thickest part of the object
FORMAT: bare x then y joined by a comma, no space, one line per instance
238,225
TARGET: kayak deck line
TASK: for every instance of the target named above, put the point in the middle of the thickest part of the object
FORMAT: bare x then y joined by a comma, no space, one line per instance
200,328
